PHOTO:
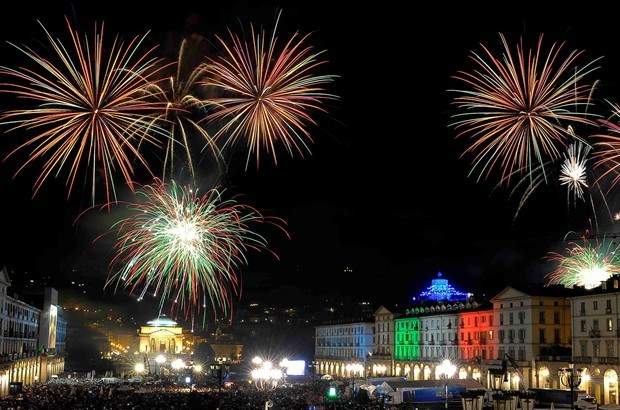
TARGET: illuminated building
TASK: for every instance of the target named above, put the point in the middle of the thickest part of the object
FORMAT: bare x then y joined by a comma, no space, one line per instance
343,349
476,332
161,335
31,339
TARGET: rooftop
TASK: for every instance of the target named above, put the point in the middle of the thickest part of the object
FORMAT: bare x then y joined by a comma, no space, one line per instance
162,321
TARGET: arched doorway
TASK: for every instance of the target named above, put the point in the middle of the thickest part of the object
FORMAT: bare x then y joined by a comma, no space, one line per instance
427,372
463,373
398,370
475,374
543,377
611,386
515,379
586,381
416,372
407,370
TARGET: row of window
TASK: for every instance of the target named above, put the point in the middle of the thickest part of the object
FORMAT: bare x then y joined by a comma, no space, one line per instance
582,306
594,328
341,353
341,330
542,318
595,350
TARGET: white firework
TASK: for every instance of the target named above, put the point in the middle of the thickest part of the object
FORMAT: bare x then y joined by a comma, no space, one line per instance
574,168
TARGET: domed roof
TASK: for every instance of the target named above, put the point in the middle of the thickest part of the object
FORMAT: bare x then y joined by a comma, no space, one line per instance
162,321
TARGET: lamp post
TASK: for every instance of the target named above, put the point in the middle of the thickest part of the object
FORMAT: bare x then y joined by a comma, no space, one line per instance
160,360
571,379
446,370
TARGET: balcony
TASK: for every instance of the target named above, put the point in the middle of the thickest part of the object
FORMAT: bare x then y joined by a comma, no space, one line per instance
594,333
582,359
606,360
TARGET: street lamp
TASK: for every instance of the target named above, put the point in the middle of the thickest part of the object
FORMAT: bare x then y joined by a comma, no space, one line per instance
177,364
197,368
139,368
161,359
571,379
446,370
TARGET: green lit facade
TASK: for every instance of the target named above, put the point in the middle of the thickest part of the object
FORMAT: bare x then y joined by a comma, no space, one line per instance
407,338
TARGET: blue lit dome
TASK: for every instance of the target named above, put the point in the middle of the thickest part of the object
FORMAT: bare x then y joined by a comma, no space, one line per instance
442,290
162,322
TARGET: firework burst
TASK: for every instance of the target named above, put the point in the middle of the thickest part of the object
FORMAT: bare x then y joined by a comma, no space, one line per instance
87,108
270,92
586,264
184,247
607,148
513,107
180,103
574,168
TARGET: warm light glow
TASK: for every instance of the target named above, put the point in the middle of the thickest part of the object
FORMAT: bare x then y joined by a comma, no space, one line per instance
197,368
585,378
544,372
139,368
257,360
284,362
446,369
177,364
161,359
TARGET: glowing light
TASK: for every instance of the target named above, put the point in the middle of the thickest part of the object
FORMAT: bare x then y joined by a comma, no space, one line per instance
177,364
139,368
197,368
512,106
160,359
256,360
446,369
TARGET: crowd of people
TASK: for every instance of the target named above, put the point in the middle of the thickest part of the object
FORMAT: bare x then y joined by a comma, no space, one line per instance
96,394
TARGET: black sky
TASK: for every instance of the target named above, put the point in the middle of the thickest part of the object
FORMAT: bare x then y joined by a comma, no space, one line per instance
384,191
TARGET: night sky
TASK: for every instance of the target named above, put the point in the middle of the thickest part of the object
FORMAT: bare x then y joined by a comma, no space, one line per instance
384,191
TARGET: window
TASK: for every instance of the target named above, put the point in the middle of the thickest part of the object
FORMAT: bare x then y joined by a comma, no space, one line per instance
610,325
490,335
501,318
610,348
541,335
596,348
582,308
555,303
556,318
595,304
522,355
595,324
521,317
556,336
521,335
541,316
521,303
501,335
510,304
584,347
583,325
510,318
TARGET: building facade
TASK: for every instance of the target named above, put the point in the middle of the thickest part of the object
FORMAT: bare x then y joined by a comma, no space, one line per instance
596,339
25,357
344,349
382,358
161,336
